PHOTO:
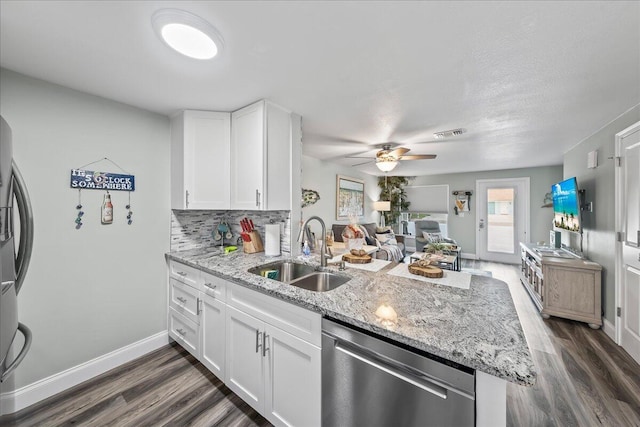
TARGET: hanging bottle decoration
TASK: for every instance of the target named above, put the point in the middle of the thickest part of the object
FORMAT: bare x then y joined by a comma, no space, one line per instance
83,179
130,213
80,212
107,209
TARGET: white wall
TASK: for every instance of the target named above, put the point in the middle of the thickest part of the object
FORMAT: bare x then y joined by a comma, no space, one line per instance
599,226
320,176
90,291
463,228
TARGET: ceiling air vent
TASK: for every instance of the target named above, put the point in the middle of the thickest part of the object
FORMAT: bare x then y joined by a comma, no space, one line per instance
449,133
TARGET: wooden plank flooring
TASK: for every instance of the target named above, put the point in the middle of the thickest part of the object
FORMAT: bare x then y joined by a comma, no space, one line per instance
584,379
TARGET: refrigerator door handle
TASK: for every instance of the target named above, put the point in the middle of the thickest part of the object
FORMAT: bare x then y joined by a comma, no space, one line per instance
26,226
25,348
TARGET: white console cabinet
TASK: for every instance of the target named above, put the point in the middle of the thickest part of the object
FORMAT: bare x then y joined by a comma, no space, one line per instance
562,284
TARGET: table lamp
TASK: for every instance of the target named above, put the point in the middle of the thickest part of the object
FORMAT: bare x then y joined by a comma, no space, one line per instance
382,206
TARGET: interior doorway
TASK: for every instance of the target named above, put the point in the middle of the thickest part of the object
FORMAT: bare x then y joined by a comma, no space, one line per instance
628,243
502,219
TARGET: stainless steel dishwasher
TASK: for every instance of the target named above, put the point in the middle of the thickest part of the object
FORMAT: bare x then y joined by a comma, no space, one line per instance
367,381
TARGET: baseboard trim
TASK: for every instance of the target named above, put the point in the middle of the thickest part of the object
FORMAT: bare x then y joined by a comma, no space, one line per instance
33,393
465,255
609,329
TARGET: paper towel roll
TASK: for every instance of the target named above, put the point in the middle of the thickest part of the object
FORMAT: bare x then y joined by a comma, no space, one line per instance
272,239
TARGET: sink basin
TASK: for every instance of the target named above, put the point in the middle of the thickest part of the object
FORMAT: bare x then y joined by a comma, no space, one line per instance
287,271
320,281
300,275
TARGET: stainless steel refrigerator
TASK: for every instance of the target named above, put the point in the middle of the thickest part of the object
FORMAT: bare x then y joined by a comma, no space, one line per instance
15,253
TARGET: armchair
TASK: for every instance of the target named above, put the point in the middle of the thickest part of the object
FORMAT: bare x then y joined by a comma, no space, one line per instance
430,227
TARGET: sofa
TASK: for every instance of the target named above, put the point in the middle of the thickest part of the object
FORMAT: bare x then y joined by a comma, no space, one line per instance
371,231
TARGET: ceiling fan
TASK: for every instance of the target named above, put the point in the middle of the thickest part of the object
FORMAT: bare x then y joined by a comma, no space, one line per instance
387,158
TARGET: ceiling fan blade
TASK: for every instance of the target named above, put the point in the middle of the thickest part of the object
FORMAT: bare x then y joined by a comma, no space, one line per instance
359,157
419,156
398,152
363,163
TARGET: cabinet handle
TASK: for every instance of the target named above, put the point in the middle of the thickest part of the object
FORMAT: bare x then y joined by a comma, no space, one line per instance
198,310
182,300
181,273
181,331
257,340
211,286
264,343
257,198
186,194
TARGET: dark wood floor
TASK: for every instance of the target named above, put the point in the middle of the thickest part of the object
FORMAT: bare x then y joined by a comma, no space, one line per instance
584,379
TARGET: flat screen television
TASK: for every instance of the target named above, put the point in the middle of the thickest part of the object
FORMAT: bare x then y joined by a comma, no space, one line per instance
566,205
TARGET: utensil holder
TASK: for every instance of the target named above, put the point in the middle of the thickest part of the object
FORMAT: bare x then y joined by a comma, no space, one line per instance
255,245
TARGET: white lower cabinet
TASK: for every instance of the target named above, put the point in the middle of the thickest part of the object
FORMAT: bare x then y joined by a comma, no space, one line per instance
212,334
293,383
275,372
266,350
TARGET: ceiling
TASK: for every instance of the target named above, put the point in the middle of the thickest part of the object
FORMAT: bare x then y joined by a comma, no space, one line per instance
527,80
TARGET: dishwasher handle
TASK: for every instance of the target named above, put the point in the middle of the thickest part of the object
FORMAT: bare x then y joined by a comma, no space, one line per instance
434,389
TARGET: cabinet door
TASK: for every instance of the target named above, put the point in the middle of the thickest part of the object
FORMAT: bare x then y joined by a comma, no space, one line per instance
248,157
205,152
293,380
244,369
212,335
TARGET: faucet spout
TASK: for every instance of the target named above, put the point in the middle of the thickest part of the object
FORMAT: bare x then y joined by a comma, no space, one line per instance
323,250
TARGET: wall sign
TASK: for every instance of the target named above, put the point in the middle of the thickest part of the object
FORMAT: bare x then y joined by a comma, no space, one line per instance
90,180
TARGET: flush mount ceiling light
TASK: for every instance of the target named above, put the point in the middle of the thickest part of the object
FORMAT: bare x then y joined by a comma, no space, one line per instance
187,33
386,164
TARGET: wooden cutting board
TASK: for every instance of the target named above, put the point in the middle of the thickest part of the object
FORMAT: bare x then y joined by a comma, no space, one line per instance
429,271
355,259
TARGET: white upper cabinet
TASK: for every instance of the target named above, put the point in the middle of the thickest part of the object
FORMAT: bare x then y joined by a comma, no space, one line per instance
261,154
200,154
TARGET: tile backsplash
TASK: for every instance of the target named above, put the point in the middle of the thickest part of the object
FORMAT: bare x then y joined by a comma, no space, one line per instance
193,229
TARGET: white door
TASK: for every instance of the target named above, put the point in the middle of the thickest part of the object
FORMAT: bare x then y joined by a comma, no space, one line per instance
207,140
212,335
502,218
247,157
244,371
293,380
628,224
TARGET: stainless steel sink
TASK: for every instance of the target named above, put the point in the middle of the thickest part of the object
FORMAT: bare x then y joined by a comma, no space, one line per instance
320,281
300,275
287,271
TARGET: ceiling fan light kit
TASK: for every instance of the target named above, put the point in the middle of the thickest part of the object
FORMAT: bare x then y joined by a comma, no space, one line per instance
386,164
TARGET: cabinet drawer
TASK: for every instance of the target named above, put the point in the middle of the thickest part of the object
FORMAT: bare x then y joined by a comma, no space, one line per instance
184,331
214,286
295,320
184,300
185,274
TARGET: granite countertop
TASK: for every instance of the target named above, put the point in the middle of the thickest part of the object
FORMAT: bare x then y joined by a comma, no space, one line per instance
478,327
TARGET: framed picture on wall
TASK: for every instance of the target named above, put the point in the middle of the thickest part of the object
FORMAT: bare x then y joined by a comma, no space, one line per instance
349,197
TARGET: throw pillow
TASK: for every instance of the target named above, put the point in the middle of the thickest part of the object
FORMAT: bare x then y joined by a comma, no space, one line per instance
433,237
368,240
387,238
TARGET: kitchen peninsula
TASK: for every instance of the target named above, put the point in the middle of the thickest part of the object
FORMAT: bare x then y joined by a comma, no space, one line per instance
476,328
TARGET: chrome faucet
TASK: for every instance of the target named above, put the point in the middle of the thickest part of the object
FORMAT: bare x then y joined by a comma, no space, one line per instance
323,250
